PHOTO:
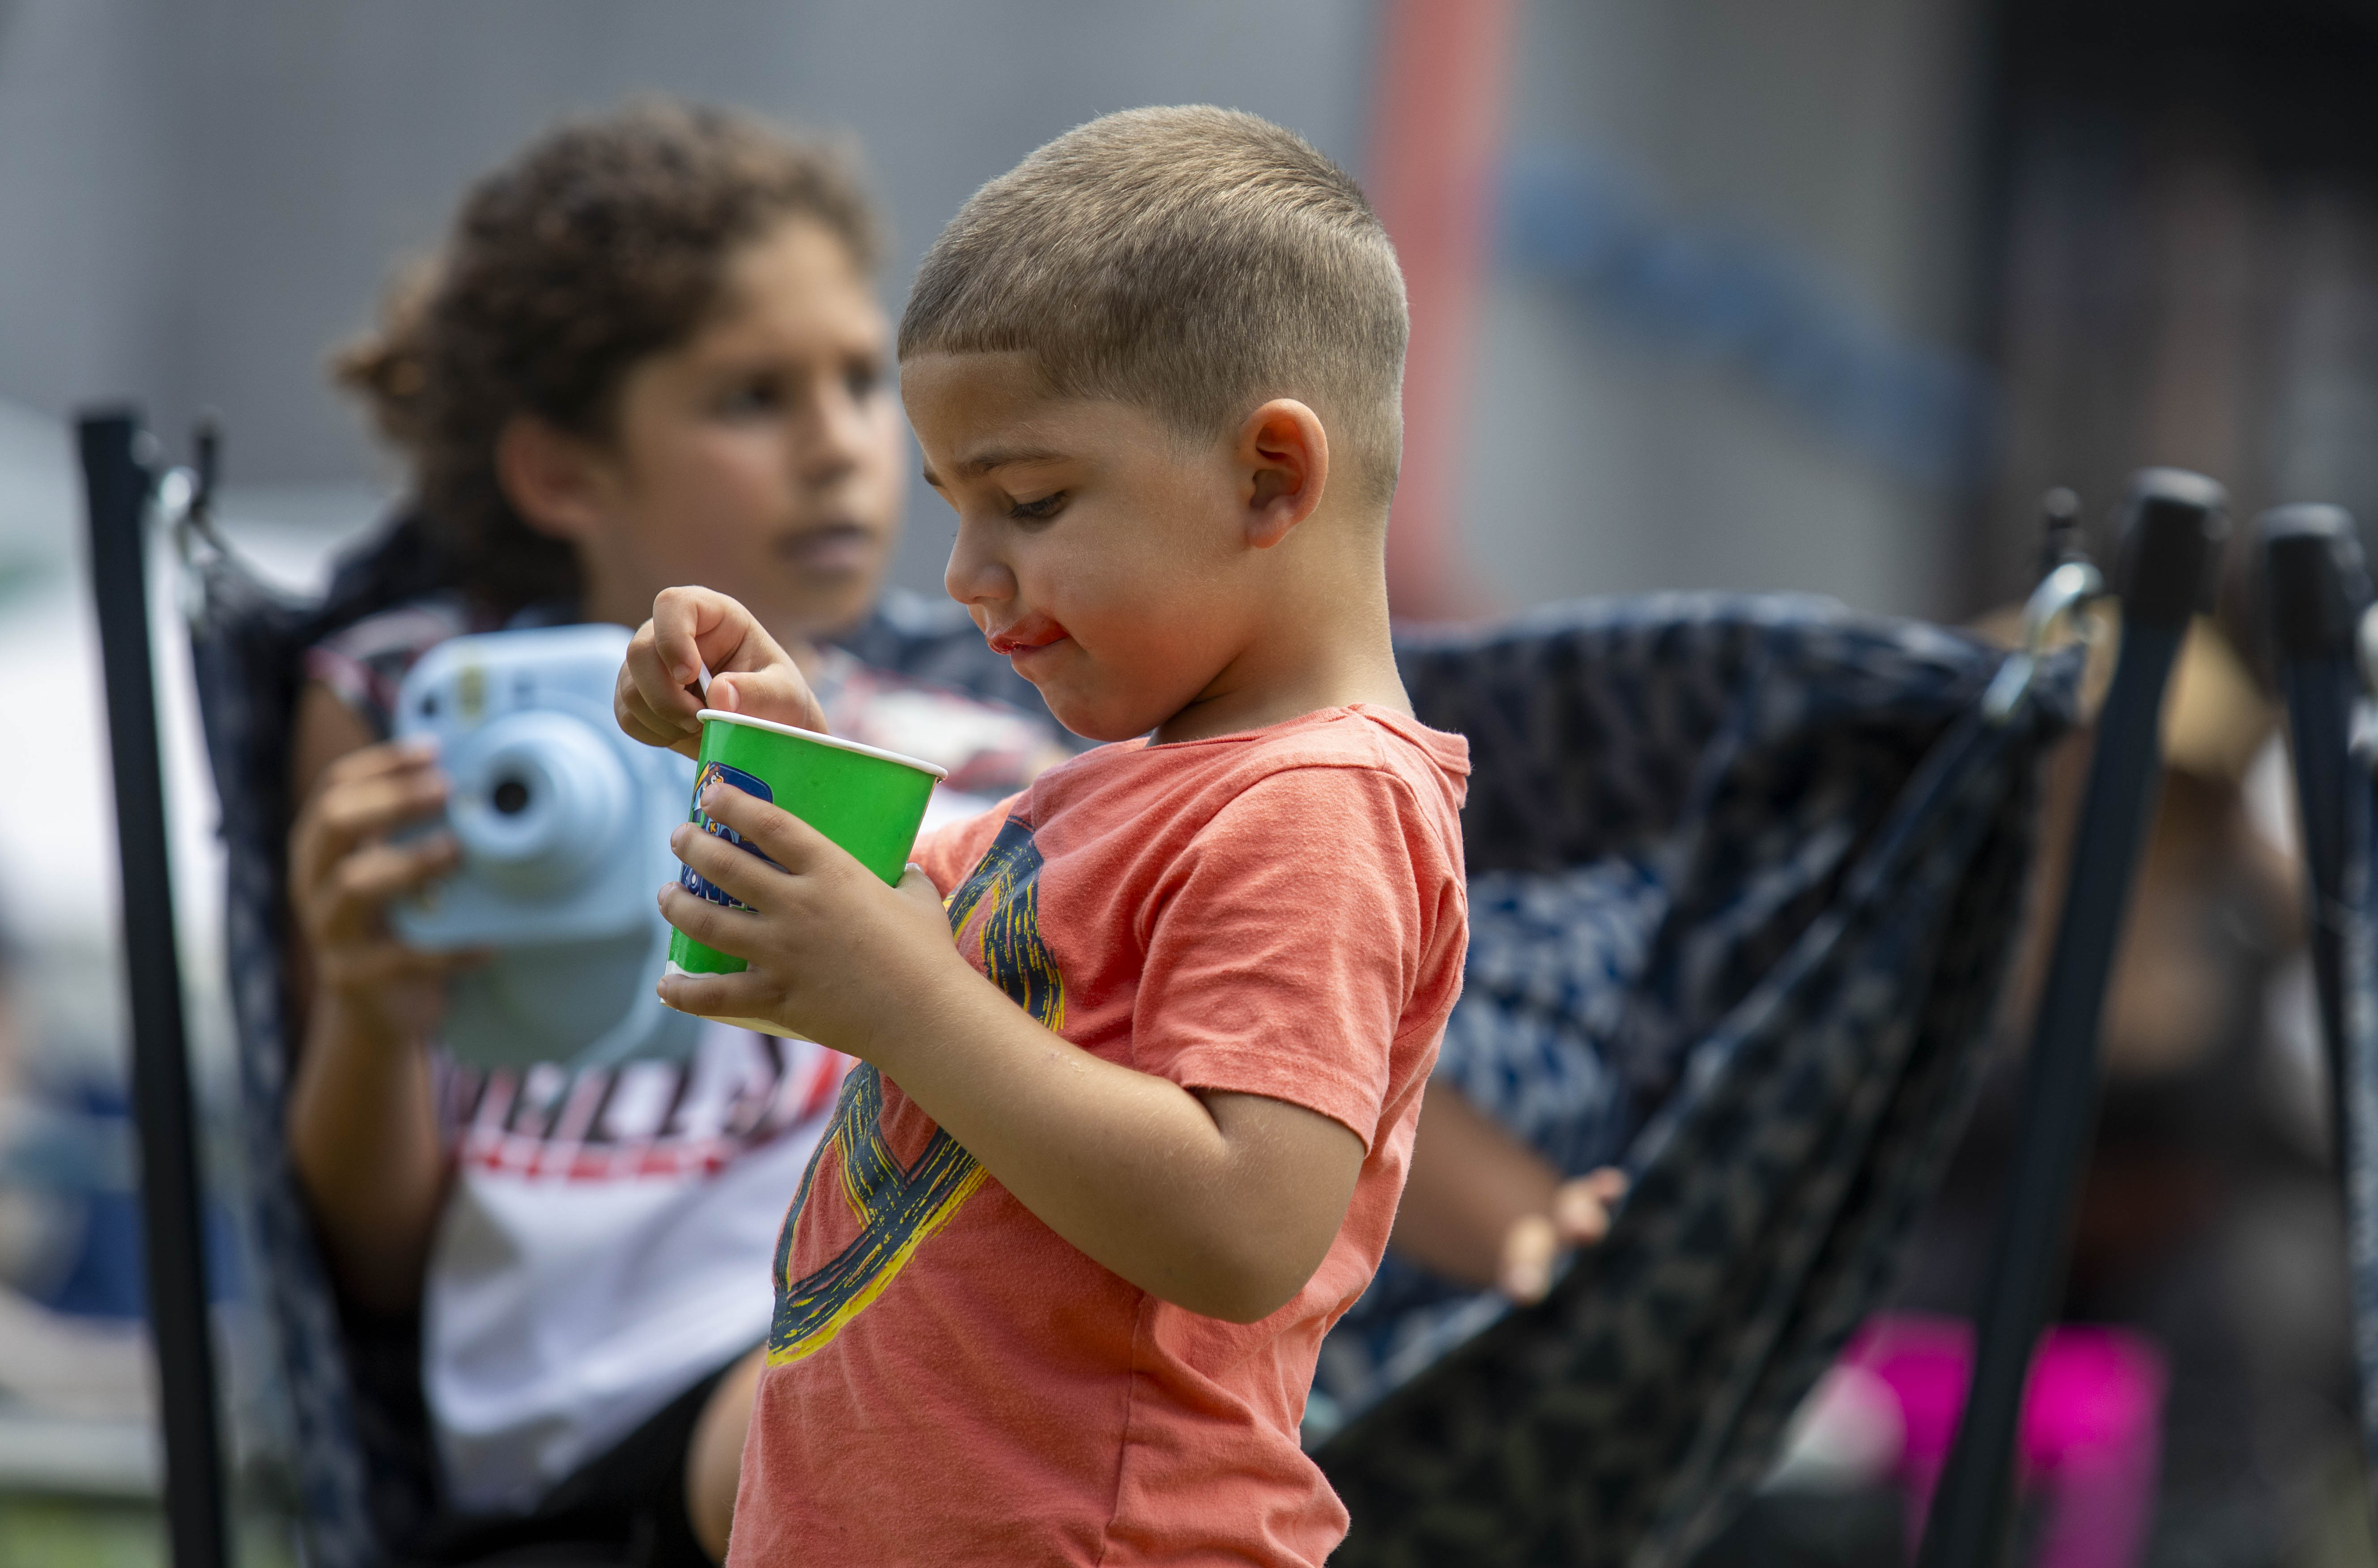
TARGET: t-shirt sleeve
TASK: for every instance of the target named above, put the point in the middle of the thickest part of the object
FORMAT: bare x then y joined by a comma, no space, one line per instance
1287,944
364,664
950,851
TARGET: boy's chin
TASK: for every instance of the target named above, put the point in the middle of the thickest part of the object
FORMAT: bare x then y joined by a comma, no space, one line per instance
1094,720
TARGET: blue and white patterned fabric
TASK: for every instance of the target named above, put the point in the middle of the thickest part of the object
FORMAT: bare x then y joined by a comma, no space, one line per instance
2357,919
246,641
1531,1043
1553,961
1746,875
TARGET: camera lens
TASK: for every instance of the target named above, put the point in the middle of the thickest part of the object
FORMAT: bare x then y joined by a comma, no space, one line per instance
511,797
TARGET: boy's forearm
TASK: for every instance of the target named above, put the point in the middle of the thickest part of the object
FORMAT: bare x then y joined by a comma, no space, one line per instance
1177,1193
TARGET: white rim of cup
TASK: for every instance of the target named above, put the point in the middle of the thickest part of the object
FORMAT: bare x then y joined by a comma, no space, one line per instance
707,715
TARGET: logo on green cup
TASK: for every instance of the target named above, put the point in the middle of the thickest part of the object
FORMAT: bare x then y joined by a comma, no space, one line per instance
687,878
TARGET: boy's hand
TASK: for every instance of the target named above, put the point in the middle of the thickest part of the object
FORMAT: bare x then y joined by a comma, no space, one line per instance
833,951
693,630
1580,1217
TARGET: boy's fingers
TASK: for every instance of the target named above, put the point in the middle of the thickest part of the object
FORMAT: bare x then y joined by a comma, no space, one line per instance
781,836
686,624
650,703
718,996
779,693
917,886
693,630
1529,1248
640,723
733,871
732,932
698,629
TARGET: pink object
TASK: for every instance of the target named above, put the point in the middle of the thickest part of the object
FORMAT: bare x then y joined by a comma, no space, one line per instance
1436,150
2091,1434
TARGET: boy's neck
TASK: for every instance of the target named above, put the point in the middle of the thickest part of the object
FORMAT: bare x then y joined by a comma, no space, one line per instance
1327,647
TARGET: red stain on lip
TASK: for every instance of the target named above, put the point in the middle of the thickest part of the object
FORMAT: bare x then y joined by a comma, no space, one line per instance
1032,632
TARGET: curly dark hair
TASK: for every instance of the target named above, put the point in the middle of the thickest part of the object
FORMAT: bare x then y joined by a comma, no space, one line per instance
603,242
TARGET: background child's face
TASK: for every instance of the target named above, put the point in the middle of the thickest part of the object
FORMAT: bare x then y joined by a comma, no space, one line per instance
764,457
1104,554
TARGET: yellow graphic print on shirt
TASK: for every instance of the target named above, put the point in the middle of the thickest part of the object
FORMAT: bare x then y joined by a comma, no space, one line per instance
997,917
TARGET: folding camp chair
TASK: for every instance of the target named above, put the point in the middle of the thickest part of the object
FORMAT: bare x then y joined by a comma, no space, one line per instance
1838,838
1836,814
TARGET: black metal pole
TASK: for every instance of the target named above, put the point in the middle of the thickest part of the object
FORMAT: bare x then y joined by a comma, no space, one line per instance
2315,588
116,484
2171,539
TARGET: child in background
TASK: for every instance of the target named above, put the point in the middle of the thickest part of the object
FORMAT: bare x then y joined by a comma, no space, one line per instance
1053,1286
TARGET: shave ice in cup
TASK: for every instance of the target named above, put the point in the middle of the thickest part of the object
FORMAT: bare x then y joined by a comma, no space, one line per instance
869,801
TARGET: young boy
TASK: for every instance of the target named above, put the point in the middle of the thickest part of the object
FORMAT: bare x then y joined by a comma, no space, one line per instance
1053,1286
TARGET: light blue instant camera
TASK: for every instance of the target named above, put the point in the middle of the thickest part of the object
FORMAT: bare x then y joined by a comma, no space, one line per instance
564,825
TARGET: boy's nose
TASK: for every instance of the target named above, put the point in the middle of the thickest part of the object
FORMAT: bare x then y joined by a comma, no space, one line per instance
975,574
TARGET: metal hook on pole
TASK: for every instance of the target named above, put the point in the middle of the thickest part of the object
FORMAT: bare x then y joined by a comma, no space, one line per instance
2058,596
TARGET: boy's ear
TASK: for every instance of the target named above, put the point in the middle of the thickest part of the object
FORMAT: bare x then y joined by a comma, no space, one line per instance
557,481
1283,455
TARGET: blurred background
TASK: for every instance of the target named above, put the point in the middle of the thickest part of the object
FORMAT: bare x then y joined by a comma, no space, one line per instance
1799,294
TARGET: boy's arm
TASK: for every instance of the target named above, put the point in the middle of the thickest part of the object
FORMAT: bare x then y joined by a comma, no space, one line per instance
1224,1203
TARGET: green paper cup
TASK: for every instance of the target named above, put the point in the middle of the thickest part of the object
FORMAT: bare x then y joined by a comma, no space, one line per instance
868,801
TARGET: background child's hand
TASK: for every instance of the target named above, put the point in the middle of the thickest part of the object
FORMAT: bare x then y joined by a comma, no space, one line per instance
1580,1216
347,860
693,630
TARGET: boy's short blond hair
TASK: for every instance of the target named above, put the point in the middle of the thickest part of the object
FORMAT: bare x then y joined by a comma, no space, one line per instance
1193,261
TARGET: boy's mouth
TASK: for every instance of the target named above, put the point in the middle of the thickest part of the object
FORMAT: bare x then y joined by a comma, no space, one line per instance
1034,632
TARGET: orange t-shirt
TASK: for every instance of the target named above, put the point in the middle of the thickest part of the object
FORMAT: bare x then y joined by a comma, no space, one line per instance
1279,913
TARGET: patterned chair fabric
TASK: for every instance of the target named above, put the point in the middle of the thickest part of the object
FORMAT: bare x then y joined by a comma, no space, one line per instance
356,1468
1747,873
1750,863
2355,1051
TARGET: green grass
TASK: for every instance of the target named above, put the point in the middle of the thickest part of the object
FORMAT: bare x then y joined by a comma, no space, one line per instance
79,1532
60,1532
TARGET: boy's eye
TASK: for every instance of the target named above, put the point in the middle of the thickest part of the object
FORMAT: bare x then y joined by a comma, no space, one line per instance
1041,510
862,379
